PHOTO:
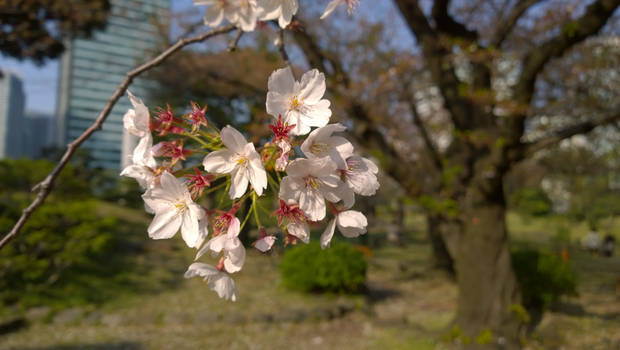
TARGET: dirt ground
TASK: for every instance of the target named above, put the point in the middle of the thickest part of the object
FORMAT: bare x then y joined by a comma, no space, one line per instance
407,306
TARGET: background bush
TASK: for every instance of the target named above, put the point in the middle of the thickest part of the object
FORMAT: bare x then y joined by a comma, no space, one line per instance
308,268
69,252
531,201
543,277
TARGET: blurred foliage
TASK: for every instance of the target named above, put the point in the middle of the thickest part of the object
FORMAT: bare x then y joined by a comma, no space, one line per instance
70,251
308,268
543,277
35,29
588,173
531,201
61,239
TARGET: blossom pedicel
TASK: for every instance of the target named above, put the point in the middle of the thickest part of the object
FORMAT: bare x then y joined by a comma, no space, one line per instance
327,176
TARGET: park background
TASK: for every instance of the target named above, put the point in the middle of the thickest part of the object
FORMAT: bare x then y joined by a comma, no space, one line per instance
85,275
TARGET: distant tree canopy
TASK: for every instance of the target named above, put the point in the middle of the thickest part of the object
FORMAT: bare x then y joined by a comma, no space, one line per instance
35,29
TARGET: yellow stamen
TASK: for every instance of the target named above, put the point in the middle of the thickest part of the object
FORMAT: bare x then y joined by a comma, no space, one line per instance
311,181
320,149
296,103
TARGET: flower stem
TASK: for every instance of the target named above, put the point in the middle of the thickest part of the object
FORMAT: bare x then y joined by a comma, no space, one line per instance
254,203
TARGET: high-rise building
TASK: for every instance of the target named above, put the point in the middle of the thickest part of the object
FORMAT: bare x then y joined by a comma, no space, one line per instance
12,102
91,70
38,133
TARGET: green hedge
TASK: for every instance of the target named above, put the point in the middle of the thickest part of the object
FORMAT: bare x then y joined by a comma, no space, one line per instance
340,268
543,277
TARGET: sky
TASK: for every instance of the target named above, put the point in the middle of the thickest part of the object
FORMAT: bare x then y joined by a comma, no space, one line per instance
41,82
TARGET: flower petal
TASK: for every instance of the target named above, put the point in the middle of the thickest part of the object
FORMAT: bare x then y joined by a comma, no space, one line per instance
331,7
239,183
165,224
312,87
233,139
299,230
219,162
327,235
281,81
351,223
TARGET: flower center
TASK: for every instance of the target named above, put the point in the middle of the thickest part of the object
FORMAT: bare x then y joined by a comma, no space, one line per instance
180,206
242,161
320,149
353,165
312,182
296,103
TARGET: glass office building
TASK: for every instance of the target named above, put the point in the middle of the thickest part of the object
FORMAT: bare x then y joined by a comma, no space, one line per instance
91,70
12,102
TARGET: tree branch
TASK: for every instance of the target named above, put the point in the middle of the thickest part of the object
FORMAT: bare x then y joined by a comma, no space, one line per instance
232,46
438,60
506,25
581,128
446,24
590,23
45,187
317,57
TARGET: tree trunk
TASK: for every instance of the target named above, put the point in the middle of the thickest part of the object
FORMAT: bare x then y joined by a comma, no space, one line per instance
436,227
488,287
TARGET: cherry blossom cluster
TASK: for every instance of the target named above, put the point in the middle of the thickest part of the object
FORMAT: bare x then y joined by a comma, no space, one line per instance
310,169
245,14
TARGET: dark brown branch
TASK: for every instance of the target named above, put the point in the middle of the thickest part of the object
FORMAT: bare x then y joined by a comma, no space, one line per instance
581,128
282,49
447,25
588,24
319,58
416,20
506,25
235,41
438,60
45,187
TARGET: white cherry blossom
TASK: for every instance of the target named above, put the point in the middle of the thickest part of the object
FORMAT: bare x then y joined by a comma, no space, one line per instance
360,174
174,209
219,281
320,143
300,103
265,243
282,10
230,245
240,160
300,230
284,148
136,120
310,182
144,164
241,13
351,223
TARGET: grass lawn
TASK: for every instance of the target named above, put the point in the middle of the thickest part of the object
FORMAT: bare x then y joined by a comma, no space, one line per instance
408,306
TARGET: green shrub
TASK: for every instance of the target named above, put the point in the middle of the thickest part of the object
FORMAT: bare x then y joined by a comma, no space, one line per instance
531,201
308,268
543,277
60,241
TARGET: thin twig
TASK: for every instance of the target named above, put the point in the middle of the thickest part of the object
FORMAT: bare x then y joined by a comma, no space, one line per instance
283,52
235,41
45,187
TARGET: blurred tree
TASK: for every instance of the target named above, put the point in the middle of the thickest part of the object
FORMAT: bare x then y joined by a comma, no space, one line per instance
467,92
35,29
